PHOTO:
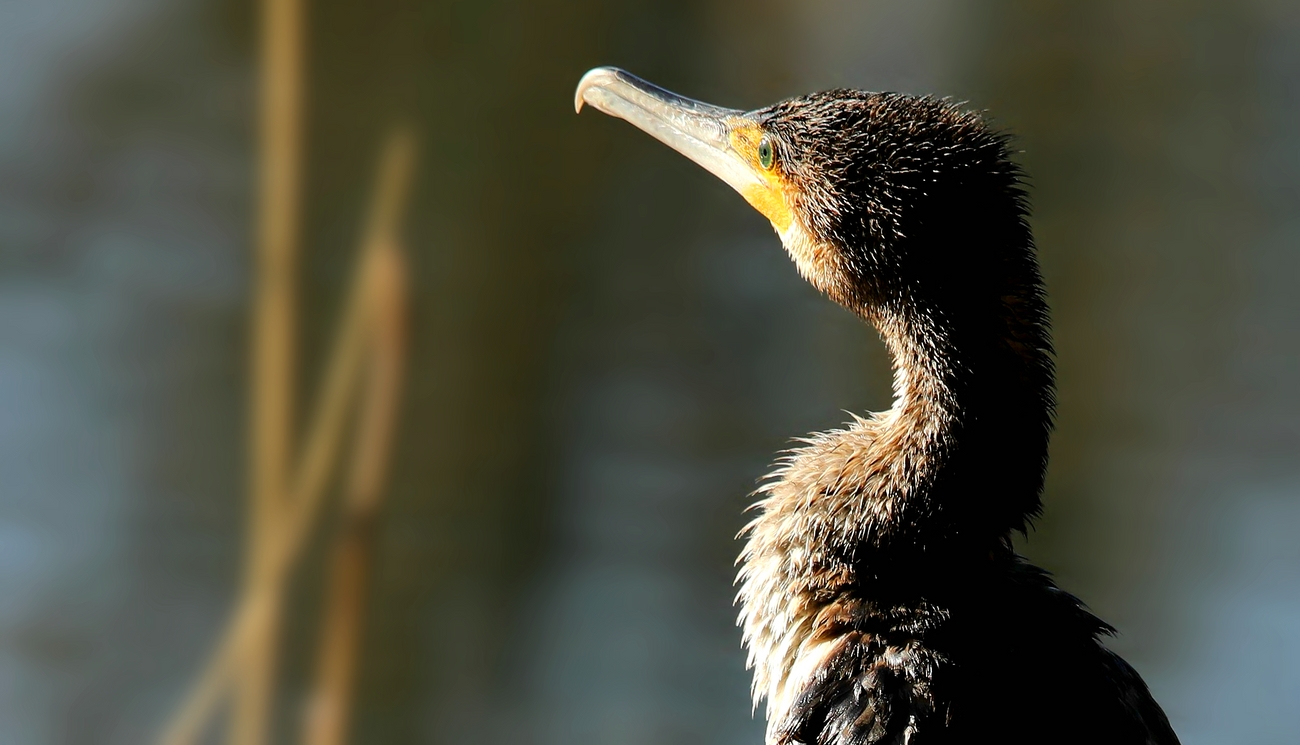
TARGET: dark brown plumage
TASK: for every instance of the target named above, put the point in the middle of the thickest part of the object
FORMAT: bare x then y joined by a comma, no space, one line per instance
880,597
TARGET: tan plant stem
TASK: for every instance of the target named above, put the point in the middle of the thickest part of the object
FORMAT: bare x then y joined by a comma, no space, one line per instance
259,605
329,706
273,363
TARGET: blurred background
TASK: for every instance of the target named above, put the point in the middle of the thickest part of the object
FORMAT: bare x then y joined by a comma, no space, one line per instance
605,347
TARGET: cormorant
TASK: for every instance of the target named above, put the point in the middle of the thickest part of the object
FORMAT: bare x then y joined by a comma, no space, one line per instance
880,596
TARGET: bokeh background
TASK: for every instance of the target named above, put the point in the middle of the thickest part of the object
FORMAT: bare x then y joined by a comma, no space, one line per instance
607,346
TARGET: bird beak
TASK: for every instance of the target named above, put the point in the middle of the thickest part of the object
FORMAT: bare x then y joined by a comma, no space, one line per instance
722,141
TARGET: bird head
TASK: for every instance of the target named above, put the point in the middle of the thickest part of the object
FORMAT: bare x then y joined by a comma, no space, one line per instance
882,200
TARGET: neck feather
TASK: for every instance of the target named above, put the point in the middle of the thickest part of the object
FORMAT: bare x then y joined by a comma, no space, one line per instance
967,434
966,441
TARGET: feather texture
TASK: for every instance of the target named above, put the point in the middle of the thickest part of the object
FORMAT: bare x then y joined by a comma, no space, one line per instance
879,597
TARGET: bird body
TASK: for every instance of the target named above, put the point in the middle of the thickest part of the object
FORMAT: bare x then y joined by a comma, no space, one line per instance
880,598
854,641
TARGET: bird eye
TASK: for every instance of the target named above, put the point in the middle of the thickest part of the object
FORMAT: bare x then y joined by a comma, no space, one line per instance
766,157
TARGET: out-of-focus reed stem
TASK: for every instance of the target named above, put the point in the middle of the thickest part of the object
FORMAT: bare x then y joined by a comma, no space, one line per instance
318,457
329,709
273,363
329,705
187,723
325,435
371,323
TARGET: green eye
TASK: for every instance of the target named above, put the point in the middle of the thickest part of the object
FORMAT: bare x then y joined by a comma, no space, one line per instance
766,157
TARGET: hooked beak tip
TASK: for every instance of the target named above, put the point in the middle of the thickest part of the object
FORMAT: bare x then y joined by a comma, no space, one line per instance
593,78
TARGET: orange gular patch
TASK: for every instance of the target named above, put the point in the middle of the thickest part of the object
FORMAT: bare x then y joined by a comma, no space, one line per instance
768,196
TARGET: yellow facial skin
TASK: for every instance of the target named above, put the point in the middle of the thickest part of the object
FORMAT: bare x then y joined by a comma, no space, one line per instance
769,195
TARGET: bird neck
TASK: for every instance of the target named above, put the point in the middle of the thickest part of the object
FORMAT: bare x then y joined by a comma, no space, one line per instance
926,415
966,438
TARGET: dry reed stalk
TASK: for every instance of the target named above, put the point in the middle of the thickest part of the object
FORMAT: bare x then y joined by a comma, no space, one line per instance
187,723
325,436
273,359
318,458
259,605
329,708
